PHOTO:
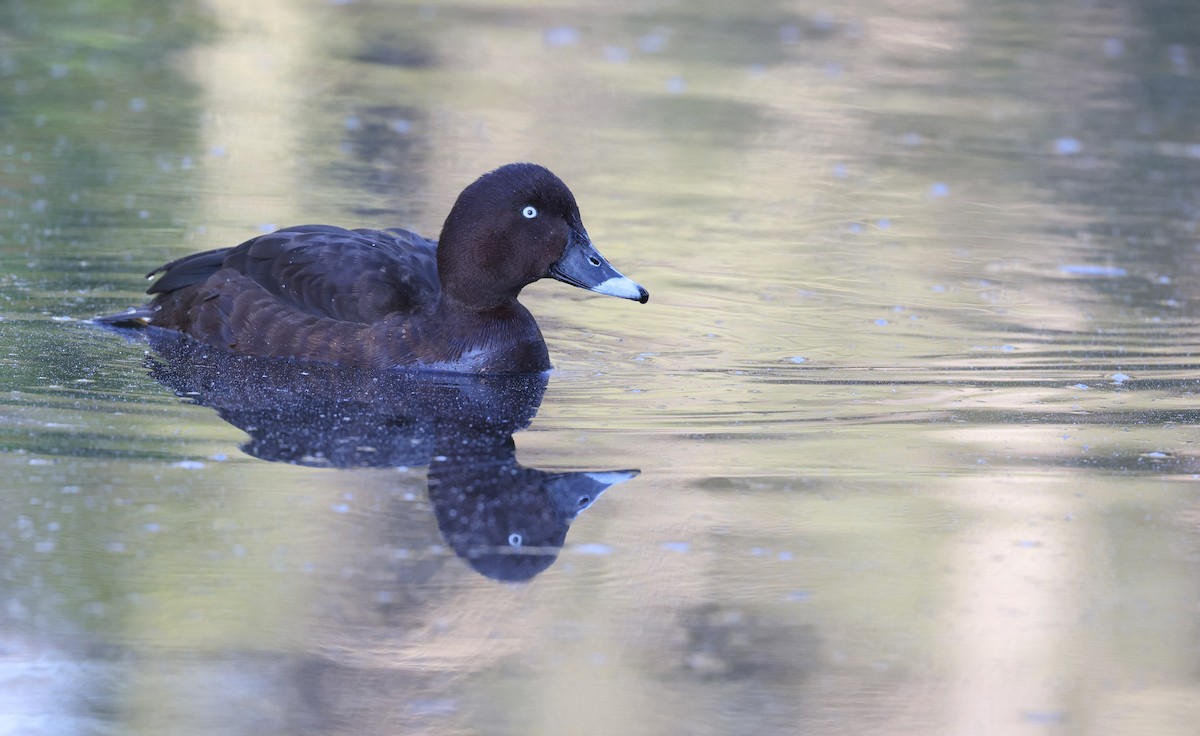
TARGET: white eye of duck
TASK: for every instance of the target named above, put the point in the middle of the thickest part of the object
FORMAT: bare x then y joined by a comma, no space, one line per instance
529,212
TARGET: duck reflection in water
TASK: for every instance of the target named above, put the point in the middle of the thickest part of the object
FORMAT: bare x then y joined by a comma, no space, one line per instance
505,520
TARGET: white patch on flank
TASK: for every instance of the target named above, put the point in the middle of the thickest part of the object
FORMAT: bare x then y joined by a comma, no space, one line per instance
618,286
472,360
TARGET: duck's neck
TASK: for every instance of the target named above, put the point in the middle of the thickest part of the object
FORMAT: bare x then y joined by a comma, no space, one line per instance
503,338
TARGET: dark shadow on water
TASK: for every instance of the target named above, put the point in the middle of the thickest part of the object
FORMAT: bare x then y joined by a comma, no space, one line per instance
505,520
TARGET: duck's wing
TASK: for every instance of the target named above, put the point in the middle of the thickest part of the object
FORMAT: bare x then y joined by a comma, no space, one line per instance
348,275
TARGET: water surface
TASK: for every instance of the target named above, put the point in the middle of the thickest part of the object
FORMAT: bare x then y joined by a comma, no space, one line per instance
912,402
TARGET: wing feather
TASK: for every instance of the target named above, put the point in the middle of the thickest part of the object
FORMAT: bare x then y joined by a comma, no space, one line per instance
328,272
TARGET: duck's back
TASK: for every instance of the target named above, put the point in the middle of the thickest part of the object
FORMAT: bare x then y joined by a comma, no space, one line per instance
311,291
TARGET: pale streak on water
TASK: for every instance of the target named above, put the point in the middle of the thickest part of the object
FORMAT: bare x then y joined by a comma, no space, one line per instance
912,399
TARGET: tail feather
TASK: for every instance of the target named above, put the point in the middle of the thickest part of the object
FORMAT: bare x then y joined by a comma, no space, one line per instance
187,271
135,318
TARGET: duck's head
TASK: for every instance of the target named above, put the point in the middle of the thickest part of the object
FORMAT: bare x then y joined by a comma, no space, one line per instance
513,226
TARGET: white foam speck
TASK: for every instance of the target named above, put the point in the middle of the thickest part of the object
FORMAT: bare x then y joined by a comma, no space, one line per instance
1067,146
1076,269
598,550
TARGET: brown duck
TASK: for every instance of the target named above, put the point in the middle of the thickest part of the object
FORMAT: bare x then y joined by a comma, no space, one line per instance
391,298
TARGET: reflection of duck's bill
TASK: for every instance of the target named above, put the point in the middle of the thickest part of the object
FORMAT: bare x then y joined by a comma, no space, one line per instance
574,492
613,477
582,265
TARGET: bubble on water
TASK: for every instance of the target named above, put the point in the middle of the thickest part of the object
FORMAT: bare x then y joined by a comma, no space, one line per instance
1084,269
676,85
596,550
352,122
939,190
137,104
560,36
797,359
680,547
1082,387
1178,54
652,43
1119,378
189,464
881,323
401,126
1067,146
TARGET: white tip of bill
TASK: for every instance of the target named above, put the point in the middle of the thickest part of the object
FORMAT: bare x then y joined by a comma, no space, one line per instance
623,287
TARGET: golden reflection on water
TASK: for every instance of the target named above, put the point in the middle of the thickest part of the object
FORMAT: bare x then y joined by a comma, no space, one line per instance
893,478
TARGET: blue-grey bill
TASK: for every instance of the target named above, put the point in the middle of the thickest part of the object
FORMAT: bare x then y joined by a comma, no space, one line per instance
582,265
